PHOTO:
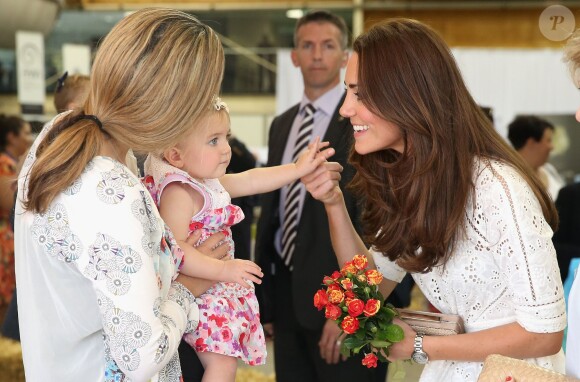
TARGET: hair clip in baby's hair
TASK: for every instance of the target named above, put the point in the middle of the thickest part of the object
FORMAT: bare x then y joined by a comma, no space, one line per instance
218,104
60,82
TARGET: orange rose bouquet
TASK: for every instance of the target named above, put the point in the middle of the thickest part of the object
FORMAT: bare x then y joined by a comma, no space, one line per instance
351,297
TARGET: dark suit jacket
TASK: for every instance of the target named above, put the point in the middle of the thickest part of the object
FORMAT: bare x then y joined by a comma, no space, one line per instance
313,257
242,160
567,238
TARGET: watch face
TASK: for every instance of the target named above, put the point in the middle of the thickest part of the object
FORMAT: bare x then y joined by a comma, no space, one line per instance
420,357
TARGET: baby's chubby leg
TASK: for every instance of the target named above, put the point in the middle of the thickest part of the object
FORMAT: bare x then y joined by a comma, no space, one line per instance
218,367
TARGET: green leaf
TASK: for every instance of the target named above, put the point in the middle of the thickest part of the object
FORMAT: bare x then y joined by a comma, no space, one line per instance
344,351
381,335
387,313
357,350
360,333
394,333
380,355
371,327
384,323
353,342
381,344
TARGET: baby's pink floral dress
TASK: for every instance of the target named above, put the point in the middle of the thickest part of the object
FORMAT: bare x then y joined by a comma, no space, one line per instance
229,318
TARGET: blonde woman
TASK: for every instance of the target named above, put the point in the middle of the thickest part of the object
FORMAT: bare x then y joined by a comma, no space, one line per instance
90,242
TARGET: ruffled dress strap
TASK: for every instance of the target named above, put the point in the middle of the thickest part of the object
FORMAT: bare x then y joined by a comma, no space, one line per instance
159,174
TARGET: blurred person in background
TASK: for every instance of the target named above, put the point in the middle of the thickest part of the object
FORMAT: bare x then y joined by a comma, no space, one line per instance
532,138
71,92
15,139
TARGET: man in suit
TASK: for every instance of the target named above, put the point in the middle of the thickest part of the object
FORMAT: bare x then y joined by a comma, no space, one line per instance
293,244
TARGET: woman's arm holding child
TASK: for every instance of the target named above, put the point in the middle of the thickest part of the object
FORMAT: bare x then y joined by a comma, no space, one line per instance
178,204
266,179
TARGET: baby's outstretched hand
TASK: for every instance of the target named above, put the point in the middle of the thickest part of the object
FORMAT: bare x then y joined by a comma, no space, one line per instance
241,271
313,157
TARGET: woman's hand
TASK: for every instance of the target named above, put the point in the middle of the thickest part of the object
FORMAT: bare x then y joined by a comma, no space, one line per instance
322,183
330,342
241,271
405,348
214,247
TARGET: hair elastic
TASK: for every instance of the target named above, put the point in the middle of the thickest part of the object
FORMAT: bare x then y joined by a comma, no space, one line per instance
91,118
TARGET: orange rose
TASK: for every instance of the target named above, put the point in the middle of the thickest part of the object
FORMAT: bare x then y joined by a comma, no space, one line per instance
349,325
348,297
332,312
361,278
320,299
327,280
333,287
335,296
360,262
355,307
346,283
370,360
372,307
348,268
374,277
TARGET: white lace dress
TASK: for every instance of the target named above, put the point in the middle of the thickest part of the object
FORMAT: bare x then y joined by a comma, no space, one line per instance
503,271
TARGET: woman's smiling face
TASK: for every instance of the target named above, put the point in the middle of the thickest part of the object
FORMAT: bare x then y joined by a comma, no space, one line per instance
371,132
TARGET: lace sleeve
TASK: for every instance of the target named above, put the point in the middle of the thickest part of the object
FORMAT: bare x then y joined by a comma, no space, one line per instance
523,252
388,268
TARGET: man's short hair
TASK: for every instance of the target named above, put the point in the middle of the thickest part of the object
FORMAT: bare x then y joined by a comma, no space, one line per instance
323,17
525,127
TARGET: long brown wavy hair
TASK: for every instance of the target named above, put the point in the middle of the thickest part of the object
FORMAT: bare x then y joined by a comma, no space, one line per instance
155,73
417,199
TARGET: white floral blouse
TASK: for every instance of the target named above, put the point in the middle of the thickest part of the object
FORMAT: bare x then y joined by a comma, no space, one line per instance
89,300
504,270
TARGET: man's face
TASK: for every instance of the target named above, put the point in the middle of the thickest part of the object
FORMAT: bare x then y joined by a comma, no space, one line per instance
545,146
539,151
319,55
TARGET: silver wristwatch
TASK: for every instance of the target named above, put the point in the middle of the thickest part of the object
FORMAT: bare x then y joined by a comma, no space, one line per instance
419,355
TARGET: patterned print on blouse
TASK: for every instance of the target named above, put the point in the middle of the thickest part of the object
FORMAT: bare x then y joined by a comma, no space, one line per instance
113,263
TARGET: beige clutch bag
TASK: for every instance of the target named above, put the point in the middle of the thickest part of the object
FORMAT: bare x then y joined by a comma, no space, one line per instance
432,324
498,368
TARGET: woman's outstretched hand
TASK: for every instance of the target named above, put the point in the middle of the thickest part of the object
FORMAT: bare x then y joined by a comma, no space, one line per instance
322,183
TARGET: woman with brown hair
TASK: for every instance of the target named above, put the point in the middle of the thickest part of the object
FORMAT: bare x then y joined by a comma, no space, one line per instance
98,296
448,200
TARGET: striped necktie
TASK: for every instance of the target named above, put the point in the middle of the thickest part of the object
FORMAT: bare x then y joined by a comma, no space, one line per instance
291,205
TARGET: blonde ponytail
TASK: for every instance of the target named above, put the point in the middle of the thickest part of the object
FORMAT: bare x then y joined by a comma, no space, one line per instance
155,74
60,159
